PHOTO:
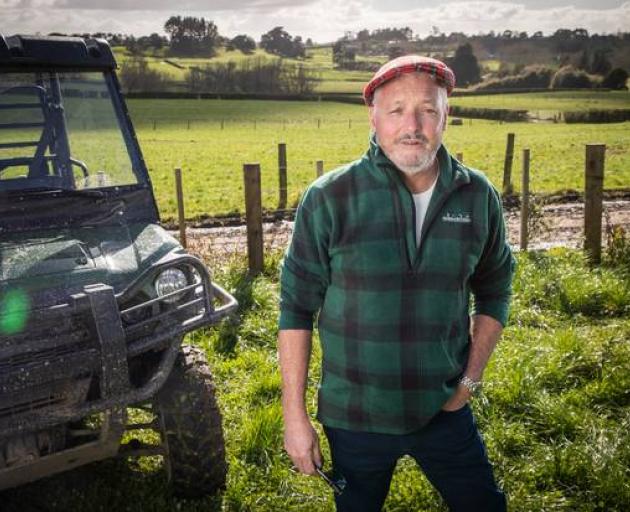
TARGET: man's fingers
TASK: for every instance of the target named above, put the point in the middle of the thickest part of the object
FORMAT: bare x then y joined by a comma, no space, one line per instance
305,465
317,454
302,446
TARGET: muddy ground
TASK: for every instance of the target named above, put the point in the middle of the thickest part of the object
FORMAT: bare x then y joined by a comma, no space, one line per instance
559,224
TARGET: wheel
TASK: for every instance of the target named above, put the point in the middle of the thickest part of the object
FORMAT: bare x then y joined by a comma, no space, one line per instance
191,427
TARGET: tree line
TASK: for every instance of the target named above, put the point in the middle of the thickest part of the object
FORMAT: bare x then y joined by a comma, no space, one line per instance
189,36
566,58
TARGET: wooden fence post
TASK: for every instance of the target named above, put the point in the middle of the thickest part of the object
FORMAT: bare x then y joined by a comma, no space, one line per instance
282,175
180,207
593,197
319,168
253,216
525,202
507,165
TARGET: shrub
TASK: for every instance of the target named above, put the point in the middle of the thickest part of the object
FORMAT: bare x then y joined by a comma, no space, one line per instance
568,77
617,247
499,114
597,116
531,77
257,76
135,76
616,79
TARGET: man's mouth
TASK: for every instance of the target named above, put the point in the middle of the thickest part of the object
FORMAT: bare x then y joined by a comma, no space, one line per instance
412,141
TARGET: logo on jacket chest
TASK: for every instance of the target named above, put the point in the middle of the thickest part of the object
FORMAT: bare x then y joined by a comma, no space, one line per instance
457,217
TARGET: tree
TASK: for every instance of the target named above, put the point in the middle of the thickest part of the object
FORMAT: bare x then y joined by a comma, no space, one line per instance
242,42
156,41
395,51
600,65
343,56
616,79
279,42
465,65
192,36
135,75
568,77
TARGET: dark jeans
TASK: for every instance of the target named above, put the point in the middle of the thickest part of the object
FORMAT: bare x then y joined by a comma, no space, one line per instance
449,450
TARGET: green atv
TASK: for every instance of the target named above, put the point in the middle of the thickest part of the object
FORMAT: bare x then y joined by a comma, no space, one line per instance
95,297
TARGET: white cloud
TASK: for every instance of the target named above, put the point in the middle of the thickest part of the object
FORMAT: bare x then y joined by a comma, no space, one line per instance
181,5
321,20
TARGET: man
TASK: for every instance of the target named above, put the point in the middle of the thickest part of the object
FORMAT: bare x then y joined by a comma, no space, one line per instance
388,250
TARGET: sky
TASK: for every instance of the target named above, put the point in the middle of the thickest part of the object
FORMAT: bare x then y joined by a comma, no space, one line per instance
321,20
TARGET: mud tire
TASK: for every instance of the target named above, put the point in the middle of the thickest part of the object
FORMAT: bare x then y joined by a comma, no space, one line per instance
191,428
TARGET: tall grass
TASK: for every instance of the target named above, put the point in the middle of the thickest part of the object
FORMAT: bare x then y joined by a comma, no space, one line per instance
555,415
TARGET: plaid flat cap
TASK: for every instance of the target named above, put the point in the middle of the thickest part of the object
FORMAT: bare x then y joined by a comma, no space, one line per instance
408,64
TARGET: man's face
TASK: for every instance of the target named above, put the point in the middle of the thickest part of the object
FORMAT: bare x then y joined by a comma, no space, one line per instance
409,117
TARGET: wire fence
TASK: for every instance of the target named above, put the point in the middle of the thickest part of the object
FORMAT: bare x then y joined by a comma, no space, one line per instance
257,237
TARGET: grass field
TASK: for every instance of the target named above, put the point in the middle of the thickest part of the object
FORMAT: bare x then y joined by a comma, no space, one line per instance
549,102
318,60
212,158
556,419
333,80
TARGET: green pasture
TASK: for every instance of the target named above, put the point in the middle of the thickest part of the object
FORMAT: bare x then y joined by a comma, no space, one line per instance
318,60
555,413
212,158
549,101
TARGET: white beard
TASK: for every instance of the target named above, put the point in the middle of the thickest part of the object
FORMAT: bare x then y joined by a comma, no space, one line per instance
423,165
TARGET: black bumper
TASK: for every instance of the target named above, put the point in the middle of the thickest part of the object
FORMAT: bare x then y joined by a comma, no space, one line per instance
73,359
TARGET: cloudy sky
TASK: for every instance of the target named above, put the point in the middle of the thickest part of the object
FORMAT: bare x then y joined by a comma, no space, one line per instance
321,20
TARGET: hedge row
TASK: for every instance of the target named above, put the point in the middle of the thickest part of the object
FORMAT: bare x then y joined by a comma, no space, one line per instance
497,114
597,116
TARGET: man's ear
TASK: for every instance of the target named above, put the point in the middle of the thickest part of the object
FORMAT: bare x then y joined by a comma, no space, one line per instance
445,120
371,116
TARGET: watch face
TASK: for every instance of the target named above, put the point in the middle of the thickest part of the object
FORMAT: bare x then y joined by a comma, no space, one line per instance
471,385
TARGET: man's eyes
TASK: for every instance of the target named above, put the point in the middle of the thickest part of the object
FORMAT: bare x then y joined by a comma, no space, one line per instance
429,111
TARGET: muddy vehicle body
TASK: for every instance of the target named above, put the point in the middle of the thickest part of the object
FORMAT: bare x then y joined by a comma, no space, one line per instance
95,297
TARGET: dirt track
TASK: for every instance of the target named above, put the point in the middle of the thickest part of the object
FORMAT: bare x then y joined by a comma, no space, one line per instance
563,225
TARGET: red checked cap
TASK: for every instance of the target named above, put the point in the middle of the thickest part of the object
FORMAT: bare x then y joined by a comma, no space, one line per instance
409,64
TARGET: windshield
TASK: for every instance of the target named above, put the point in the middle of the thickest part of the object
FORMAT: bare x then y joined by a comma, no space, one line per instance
61,130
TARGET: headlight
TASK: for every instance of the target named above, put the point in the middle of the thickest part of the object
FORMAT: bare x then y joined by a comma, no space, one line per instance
168,281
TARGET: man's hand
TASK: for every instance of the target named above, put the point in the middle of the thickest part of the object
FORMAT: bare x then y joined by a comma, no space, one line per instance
458,399
485,334
301,442
300,439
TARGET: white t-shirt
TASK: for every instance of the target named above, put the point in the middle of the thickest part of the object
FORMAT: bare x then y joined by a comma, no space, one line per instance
421,201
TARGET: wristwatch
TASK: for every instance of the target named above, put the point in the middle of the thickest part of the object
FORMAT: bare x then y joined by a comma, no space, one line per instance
474,386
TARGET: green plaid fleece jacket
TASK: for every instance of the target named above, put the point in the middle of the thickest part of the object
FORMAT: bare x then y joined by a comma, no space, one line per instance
393,319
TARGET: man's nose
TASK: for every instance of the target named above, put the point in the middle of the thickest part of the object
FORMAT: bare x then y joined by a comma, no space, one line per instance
413,122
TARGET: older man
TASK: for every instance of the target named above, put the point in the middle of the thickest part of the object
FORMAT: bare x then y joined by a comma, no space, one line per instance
388,249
